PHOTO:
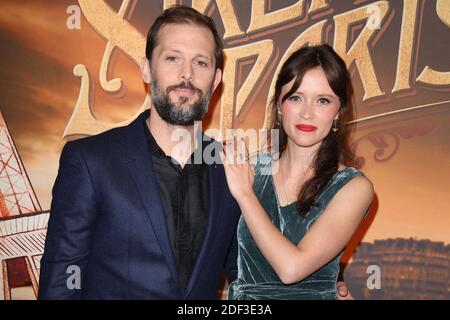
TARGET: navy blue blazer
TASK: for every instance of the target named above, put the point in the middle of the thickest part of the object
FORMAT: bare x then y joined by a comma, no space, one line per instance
107,220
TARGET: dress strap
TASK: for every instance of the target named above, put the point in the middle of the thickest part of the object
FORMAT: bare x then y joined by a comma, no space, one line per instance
337,182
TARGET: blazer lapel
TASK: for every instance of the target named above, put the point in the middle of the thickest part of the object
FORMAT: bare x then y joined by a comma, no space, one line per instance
141,169
216,182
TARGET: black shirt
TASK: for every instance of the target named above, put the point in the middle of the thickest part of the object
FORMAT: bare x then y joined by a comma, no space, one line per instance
184,194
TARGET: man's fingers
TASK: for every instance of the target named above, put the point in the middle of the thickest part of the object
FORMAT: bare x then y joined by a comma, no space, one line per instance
342,289
343,292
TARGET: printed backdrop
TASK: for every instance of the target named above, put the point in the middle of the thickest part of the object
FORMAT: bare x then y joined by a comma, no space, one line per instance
69,70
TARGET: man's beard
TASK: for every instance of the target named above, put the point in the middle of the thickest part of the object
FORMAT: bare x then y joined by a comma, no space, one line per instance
179,115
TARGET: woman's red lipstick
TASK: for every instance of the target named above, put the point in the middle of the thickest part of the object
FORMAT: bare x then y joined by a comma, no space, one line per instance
306,127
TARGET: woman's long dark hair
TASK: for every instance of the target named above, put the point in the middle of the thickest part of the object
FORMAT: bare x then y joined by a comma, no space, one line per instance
335,147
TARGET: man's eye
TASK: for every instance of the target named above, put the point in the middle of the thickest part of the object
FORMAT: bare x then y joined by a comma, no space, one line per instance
202,63
170,58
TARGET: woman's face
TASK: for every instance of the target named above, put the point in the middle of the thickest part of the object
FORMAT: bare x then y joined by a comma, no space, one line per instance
308,114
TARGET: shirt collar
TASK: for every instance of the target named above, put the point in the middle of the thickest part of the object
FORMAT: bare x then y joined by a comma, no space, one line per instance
156,150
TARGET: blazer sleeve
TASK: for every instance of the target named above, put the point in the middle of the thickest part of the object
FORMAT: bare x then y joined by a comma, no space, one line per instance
70,229
231,260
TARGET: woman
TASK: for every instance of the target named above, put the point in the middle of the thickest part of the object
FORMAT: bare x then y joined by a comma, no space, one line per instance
299,210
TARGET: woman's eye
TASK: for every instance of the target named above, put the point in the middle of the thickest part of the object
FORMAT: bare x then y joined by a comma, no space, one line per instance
323,101
295,98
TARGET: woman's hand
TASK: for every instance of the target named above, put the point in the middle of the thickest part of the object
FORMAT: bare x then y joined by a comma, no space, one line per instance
238,170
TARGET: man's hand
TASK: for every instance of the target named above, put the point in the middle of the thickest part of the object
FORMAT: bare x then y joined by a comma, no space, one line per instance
342,291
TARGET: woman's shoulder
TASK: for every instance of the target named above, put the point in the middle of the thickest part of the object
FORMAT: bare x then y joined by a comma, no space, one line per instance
358,190
347,178
350,172
353,178
348,186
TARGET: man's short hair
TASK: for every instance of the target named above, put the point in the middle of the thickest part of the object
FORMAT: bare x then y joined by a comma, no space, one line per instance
184,15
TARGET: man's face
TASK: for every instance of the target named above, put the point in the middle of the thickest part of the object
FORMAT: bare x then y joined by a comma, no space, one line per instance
183,73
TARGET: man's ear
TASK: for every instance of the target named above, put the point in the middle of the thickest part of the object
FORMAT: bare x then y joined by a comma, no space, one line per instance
145,70
217,78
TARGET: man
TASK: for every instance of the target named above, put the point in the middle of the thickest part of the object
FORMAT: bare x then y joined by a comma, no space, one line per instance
130,213
133,215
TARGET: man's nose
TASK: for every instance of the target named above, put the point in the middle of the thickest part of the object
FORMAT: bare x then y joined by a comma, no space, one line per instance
186,72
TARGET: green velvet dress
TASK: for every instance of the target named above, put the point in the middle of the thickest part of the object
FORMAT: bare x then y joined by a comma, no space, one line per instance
256,278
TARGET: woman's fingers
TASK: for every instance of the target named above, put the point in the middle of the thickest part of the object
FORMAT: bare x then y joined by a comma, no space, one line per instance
236,151
242,155
228,149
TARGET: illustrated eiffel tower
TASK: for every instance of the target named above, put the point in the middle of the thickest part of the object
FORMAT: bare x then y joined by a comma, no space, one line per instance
23,225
